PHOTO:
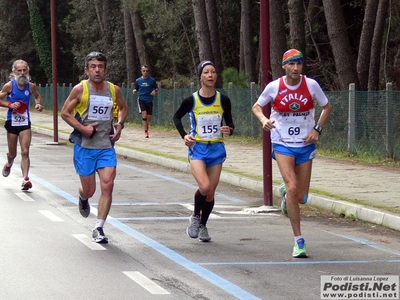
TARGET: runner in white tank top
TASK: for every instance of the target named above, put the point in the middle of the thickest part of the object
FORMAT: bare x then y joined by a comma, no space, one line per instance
294,134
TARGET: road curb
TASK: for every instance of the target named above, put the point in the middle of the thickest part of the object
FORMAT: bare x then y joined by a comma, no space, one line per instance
340,207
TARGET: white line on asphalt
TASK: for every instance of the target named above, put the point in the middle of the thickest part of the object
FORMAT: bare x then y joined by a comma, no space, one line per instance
184,183
188,206
84,239
220,204
51,216
24,197
304,262
211,277
146,283
216,218
191,208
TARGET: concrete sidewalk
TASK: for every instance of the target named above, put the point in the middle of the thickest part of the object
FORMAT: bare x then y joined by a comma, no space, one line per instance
335,185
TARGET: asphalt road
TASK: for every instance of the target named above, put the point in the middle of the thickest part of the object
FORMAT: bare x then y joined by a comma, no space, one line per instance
46,252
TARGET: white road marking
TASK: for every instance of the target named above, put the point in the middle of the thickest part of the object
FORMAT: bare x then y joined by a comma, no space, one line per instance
51,216
191,208
24,197
188,206
146,283
84,239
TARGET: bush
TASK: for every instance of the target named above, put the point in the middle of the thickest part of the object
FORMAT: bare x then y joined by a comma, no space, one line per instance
238,79
182,82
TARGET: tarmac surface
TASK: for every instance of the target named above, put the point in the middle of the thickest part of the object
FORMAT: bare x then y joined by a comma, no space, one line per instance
365,192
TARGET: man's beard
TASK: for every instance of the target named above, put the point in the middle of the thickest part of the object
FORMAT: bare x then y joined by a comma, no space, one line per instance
22,79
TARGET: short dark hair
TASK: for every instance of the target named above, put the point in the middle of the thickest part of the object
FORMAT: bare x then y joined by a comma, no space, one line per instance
95,56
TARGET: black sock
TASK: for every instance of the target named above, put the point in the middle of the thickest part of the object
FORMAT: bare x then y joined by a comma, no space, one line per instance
199,201
206,212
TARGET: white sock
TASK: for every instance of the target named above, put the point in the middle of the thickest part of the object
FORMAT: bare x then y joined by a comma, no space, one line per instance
100,223
296,238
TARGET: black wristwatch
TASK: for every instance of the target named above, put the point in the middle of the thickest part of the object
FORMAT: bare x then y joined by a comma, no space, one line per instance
318,128
122,125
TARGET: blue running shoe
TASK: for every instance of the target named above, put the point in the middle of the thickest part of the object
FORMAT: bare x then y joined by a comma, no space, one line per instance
299,249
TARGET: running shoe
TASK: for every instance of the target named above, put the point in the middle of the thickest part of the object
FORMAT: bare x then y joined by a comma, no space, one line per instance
6,170
26,184
203,234
98,236
282,191
193,229
299,249
146,135
84,207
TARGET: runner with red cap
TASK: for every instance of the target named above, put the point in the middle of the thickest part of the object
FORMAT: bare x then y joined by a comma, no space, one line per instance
294,134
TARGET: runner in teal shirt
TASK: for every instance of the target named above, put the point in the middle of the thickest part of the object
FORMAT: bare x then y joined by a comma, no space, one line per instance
147,87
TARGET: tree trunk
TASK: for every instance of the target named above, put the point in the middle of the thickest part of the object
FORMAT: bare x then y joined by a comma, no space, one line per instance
241,52
202,30
130,50
212,20
278,37
364,49
102,8
297,29
247,38
138,29
192,50
108,35
376,47
342,52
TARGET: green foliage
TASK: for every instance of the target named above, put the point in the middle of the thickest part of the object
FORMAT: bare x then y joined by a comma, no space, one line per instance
41,41
90,34
170,38
177,81
238,79
15,38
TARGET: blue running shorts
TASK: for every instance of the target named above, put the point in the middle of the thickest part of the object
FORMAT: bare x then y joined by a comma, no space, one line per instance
210,153
301,154
87,161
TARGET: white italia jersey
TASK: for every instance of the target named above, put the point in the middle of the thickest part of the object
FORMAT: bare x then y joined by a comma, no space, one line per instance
292,109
